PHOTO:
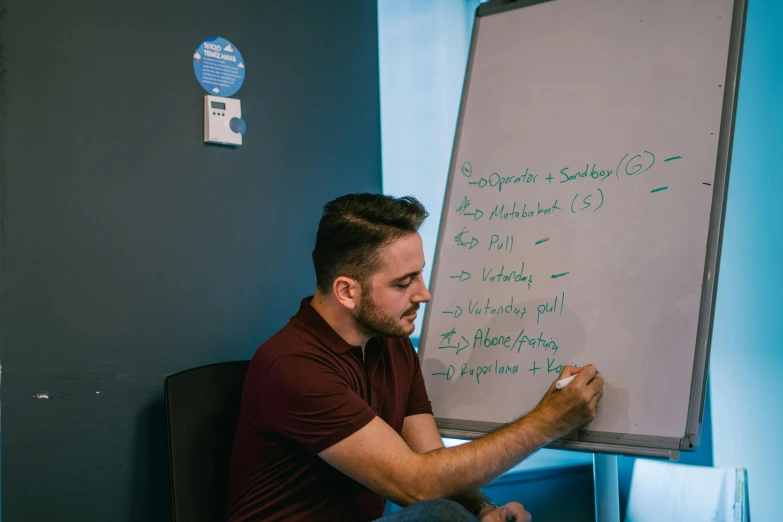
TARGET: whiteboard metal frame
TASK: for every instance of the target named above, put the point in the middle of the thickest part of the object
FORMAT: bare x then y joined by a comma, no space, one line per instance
618,443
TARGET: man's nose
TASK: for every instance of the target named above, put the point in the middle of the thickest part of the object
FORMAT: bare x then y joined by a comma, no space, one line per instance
423,296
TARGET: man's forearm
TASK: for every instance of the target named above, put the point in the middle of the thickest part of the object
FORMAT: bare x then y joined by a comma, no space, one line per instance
462,469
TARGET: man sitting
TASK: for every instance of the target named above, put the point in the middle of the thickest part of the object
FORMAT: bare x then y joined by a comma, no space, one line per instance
335,417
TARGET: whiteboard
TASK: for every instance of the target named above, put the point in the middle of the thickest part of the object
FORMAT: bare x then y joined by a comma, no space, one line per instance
583,214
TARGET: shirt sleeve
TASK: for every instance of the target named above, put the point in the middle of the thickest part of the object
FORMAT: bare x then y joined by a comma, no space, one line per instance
308,401
418,400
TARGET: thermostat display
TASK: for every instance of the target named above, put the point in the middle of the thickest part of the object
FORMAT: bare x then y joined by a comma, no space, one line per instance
223,123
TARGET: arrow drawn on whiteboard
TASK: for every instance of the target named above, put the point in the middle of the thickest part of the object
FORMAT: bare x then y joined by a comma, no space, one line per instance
478,214
448,373
456,313
460,240
459,347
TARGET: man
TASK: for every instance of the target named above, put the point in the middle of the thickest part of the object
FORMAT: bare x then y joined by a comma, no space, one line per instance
335,416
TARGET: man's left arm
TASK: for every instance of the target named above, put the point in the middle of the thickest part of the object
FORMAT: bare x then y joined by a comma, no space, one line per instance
421,435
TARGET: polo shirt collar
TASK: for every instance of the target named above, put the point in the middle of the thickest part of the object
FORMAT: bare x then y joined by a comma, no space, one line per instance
311,318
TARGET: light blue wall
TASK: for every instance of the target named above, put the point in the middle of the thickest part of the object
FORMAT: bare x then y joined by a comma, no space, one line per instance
747,356
423,50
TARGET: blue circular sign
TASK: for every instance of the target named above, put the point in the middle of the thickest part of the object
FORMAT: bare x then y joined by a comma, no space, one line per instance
219,67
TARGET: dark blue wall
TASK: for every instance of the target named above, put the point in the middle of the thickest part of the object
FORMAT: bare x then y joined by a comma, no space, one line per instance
129,249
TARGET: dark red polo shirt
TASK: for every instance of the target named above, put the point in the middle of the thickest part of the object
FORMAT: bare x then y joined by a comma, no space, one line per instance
306,390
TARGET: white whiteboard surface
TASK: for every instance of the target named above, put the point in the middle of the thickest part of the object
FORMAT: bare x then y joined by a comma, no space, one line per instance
556,266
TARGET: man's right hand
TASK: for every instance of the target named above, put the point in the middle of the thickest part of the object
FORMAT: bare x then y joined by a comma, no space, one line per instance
563,411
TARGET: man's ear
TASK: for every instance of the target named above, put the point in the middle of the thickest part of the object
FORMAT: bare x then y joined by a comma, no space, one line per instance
347,291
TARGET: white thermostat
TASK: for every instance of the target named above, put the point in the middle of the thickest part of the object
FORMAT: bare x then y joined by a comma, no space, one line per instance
223,123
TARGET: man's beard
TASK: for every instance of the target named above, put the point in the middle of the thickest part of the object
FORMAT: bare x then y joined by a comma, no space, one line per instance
373,322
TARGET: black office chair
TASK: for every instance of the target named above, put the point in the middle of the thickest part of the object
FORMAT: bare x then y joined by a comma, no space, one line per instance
202,410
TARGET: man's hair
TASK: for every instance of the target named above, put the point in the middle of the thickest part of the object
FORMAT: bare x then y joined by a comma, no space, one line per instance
352,230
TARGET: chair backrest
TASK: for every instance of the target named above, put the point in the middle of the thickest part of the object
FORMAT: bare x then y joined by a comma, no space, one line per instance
202,410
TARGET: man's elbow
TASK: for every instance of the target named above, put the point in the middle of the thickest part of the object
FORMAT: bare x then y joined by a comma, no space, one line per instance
418,494
413,496
410,491
421,484
421,493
